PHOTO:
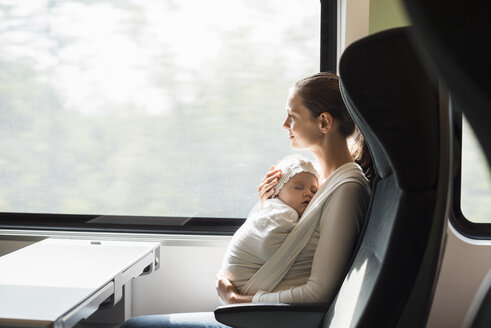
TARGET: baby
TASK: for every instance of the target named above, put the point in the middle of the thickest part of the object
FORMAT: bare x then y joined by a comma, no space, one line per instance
265,230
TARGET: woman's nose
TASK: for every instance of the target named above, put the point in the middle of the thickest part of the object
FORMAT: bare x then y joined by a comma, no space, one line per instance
286,123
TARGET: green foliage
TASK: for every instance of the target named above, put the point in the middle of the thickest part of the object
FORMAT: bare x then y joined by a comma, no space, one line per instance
68,145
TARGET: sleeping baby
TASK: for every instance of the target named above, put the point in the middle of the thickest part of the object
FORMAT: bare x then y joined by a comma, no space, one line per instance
265,229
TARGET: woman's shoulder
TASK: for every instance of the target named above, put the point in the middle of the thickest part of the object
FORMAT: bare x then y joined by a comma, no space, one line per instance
347,173
351,169
351,191
348,204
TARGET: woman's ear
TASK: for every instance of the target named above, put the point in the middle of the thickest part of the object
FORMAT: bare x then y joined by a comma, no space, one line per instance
325,122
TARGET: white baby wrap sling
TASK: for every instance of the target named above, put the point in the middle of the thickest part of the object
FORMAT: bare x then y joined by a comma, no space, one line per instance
257,240
245,257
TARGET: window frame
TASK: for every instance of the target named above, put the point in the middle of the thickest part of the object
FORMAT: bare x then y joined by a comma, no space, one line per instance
189,226
481,231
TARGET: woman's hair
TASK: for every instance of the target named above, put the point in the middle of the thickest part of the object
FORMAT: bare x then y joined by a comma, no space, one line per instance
320,93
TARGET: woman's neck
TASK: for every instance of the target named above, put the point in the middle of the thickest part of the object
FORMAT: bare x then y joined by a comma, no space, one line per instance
332,153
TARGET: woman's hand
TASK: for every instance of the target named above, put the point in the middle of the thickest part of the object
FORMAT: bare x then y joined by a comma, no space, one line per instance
266,188
228,293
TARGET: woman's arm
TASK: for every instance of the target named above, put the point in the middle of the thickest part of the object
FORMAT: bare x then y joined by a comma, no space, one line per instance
266,188
228,293
339,228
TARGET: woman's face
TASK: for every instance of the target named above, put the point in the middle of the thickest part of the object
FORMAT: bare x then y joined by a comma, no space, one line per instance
302,128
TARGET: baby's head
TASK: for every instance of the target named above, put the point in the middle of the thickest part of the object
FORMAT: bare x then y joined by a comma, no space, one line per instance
298,183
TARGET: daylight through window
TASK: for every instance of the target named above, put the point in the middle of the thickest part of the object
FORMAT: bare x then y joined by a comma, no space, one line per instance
476,179
142,107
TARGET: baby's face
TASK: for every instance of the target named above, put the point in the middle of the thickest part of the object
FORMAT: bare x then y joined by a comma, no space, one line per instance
298,191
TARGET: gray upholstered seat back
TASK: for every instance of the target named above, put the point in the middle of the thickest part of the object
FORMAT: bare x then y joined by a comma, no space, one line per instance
452,38
395,104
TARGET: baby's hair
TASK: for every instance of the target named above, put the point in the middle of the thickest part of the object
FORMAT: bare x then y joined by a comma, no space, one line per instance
292,165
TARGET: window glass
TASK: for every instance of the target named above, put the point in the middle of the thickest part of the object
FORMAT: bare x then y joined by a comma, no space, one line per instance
143,107
476,179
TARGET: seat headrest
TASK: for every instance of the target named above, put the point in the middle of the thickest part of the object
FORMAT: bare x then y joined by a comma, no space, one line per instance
393,100
452,40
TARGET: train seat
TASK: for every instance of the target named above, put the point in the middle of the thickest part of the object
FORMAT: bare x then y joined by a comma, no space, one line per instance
391,279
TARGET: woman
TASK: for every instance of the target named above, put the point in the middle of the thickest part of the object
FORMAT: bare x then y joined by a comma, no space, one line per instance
317,120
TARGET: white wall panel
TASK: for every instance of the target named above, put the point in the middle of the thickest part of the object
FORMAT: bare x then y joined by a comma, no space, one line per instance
465,264
185,281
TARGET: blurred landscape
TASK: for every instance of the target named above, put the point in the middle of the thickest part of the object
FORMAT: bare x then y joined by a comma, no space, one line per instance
168,108
130,107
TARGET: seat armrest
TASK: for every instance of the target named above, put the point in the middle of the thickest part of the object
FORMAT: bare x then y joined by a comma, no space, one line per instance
253,315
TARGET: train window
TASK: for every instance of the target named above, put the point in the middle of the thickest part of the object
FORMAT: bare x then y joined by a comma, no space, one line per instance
476,179
146,108
474,217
